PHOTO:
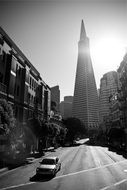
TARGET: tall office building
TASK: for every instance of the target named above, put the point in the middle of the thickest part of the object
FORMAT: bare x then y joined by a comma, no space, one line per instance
66,107
55,96
108,87
85,102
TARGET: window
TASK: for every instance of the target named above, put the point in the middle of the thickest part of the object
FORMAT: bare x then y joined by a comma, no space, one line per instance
16,111
13,64
28,97
19,72
30,82
27,77
17,90
1,77
48,161
16,67
12,85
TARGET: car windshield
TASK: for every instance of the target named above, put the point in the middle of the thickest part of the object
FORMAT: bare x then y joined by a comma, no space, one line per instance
48,161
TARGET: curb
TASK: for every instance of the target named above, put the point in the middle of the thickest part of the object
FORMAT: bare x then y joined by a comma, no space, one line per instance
30,160
3,170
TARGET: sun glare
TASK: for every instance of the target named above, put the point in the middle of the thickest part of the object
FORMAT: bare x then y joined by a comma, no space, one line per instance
108,53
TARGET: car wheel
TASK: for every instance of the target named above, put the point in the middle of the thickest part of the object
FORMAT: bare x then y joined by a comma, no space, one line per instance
38,175
54,173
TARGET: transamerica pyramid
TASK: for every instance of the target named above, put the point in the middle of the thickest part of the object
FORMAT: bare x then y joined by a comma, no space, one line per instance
85,102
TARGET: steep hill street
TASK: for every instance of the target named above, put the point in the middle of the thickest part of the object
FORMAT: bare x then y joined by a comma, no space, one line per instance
84,167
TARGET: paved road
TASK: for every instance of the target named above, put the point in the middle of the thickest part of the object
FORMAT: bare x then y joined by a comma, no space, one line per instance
83,168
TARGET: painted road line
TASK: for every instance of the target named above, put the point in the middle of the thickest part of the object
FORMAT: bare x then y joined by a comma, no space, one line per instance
15,186
109,157
71,174
114,185
89,170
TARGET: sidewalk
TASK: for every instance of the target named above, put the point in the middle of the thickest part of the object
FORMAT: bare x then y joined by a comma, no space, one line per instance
30,159
48,149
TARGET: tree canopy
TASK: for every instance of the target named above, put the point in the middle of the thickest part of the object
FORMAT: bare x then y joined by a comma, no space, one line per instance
74,128
53,106
116,133
7,120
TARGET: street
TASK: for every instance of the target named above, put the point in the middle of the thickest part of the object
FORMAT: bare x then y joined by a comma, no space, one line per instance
84,167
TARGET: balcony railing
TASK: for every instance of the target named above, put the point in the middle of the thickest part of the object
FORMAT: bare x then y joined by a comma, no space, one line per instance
3,88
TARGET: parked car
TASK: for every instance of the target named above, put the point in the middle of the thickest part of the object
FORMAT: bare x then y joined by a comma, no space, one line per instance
49,165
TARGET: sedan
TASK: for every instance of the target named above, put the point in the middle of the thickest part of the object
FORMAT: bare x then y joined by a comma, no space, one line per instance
49,165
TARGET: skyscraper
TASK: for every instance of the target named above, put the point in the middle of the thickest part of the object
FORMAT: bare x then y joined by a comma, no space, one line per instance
66,107
55,96
108,87
85,102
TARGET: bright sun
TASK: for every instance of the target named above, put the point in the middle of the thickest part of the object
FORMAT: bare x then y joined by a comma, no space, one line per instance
108,53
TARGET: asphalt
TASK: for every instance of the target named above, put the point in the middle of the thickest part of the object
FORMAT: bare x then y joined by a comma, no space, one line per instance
32,158
83,167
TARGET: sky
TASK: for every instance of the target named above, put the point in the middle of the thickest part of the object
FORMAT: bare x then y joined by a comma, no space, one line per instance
48,31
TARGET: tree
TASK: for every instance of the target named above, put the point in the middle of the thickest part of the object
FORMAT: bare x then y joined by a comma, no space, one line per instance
122,96
46,134
35,125
37,129
54,134
116,136
75,128
53,106
62,135
11,131
7,121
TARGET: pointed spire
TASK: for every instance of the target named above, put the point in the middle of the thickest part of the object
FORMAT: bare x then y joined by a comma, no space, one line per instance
83,31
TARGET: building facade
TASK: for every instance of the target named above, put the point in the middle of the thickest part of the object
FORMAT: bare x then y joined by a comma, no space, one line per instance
108,87
66,107
85,101
55,97
115,114
122,92
20,82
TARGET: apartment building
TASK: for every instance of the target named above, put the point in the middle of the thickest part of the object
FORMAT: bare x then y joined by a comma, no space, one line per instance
20,82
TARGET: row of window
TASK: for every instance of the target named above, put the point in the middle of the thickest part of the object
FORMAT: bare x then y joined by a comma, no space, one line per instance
31,99
17,90
116,115
1,77
18,70
33,83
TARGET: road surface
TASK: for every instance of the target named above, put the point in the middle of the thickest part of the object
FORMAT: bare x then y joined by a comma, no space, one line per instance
84,167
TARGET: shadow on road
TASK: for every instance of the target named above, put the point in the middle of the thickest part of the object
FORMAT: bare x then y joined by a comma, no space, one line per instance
72,145
95,143
41,178
118,151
